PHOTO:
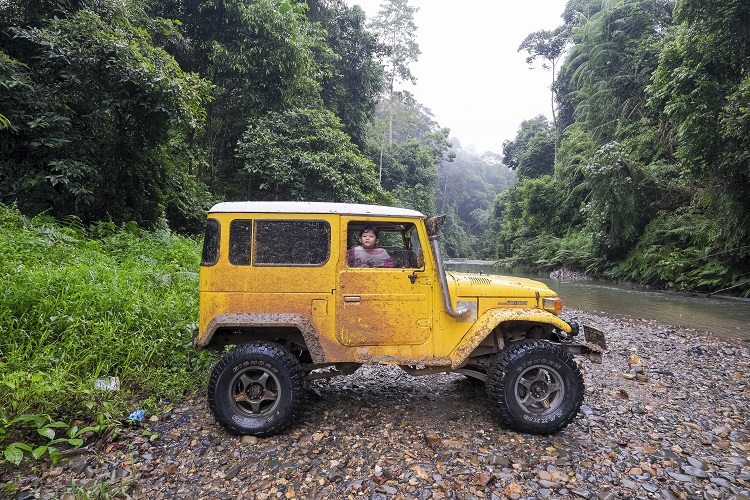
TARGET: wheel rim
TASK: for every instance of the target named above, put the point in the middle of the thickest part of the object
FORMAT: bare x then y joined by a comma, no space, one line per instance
255,391
540,389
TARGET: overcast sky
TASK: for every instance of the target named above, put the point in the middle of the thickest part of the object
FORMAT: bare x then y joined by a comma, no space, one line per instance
470,73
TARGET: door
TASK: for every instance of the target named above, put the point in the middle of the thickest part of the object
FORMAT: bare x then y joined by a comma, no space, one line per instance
385,306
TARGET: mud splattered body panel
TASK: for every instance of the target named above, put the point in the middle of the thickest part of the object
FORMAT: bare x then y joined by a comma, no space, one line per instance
284,271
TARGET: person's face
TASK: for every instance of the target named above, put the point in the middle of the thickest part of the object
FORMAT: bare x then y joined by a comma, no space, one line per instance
368,239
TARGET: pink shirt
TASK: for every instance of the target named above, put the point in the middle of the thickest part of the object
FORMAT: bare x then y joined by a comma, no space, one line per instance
361,257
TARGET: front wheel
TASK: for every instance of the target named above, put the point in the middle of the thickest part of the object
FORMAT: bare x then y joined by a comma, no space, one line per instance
536,387
256,389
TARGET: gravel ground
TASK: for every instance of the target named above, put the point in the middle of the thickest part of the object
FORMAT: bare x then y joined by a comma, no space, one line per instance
676,429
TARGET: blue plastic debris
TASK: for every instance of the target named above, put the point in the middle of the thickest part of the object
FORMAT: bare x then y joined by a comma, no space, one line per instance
137,415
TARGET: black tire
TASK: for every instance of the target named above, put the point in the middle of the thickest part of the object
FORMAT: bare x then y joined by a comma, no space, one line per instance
536,387
256,389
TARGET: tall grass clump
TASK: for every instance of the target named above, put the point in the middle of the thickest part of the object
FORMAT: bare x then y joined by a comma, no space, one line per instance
79,304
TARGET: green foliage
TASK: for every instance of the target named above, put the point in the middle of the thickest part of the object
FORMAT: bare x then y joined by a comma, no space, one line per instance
538,157
682,250
304,155
80,304
355,81
260,53
467,187
613,208
455,240
402,118
689,99
547,45
550,47
413,175
260,59
701,73
576,251
615,52
97,117
546,252
700,89
408,164
577,148
651,174
532,153
45,427
149,111
395,27
526,213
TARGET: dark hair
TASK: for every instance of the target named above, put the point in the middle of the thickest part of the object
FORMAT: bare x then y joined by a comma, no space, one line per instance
370,227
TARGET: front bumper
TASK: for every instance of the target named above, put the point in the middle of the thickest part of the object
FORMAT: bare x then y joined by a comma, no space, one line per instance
593,348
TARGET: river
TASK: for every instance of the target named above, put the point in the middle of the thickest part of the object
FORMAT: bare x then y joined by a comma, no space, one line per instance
726,318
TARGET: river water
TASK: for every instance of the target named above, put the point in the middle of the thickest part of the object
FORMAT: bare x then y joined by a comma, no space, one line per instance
724,317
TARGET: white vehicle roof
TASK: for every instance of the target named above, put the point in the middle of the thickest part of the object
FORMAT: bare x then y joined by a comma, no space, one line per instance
312,207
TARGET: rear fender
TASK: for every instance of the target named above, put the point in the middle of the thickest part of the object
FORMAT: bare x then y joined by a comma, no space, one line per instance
240,321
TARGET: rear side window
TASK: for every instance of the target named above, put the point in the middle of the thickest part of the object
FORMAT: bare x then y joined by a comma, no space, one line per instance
211,239
292,242
240,237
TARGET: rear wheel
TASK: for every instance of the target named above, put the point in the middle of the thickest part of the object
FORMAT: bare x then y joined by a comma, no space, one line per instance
535,386
256,389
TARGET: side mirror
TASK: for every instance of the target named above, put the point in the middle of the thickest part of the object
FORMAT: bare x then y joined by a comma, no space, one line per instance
433,224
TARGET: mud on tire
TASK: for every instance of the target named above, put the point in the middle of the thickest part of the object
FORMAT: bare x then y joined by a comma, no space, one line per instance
535,386
256,389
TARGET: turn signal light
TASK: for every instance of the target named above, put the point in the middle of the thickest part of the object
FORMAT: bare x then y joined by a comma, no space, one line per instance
553,305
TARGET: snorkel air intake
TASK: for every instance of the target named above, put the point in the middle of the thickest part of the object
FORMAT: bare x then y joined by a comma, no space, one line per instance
433,228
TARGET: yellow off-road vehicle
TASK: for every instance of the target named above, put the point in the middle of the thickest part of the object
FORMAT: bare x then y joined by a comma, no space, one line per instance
281,282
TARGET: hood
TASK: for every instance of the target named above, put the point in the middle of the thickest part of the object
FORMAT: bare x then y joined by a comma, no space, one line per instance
484,285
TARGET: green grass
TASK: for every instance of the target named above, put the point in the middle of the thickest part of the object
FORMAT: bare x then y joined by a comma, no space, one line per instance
81,303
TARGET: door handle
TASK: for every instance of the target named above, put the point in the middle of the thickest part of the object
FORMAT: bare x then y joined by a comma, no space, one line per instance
412,277
352,298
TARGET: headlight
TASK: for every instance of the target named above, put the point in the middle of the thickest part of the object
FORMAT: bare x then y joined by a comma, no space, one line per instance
553,305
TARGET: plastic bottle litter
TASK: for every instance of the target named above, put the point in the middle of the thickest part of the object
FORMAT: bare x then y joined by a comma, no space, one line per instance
107,384
137,415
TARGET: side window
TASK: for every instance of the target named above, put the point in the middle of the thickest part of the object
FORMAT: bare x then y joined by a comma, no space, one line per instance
382,244
240,237
292,243
211,240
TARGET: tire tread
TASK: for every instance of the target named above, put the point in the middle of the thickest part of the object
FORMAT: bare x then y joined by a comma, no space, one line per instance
288,364
496,389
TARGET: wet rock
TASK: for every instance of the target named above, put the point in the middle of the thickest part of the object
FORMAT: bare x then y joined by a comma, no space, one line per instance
742,462
232,472
697,463
681,477
695,472
651,488
249,440
627,483
719,481
432,440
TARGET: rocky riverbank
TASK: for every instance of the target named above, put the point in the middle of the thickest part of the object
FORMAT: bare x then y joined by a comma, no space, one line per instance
676,429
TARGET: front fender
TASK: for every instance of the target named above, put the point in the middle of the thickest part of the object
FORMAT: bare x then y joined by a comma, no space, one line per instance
494,317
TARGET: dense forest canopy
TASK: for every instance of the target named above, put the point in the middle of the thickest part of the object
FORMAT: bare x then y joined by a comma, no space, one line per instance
152,110
651,181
